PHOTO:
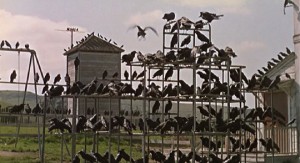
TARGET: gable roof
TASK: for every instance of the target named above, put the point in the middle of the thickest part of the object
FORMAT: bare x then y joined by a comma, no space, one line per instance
94,44
281,66
284,62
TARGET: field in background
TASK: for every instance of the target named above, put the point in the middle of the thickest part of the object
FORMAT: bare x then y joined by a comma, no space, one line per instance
27,147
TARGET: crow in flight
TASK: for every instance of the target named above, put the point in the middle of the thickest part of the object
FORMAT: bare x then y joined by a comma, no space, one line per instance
142,31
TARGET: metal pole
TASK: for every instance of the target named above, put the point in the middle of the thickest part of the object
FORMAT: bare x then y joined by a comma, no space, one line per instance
24,97
44,130
130,152
272,126
62,147
110,129
85,114
39,66
144,119
74,116
36,100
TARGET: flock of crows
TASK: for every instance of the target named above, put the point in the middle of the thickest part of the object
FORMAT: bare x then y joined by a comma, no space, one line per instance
177,124
180,125
6,44
156,156
92,34
108,157
280,57
21,107
211,88
206,50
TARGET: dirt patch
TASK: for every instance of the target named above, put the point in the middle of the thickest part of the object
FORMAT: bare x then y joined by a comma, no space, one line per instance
15,154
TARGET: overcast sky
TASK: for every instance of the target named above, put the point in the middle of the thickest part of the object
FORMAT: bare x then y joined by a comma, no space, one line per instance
257,30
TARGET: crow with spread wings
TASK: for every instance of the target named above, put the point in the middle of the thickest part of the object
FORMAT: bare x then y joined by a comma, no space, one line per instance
142,32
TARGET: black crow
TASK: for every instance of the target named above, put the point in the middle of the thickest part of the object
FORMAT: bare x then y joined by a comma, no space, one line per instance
74,89
155,107
76,63
158,73
170,158
134,75
45,88
169,16
13,76
168,106
260,72
274,83
126,75
279,57
142,31
128,57
209,17
62,125
203,111
199,24
170,56
272,145
291,122
188,125
202,37
253,145
152,124
57,78
7,44
212,75
139,90
104,74
287,76
80,125
141,124
17,45
115,75
57,91
215,158
46,78
186,41
108,155
142,74
167,89
17,108
2,44
208,143
76,159
90,88
67,79
169,73
27,46
174,40
37,109
99,158
87,157
252,83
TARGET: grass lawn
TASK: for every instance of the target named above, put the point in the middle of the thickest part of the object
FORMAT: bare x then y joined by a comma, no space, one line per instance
27,150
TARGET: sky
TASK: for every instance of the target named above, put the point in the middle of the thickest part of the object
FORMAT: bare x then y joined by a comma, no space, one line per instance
256,30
